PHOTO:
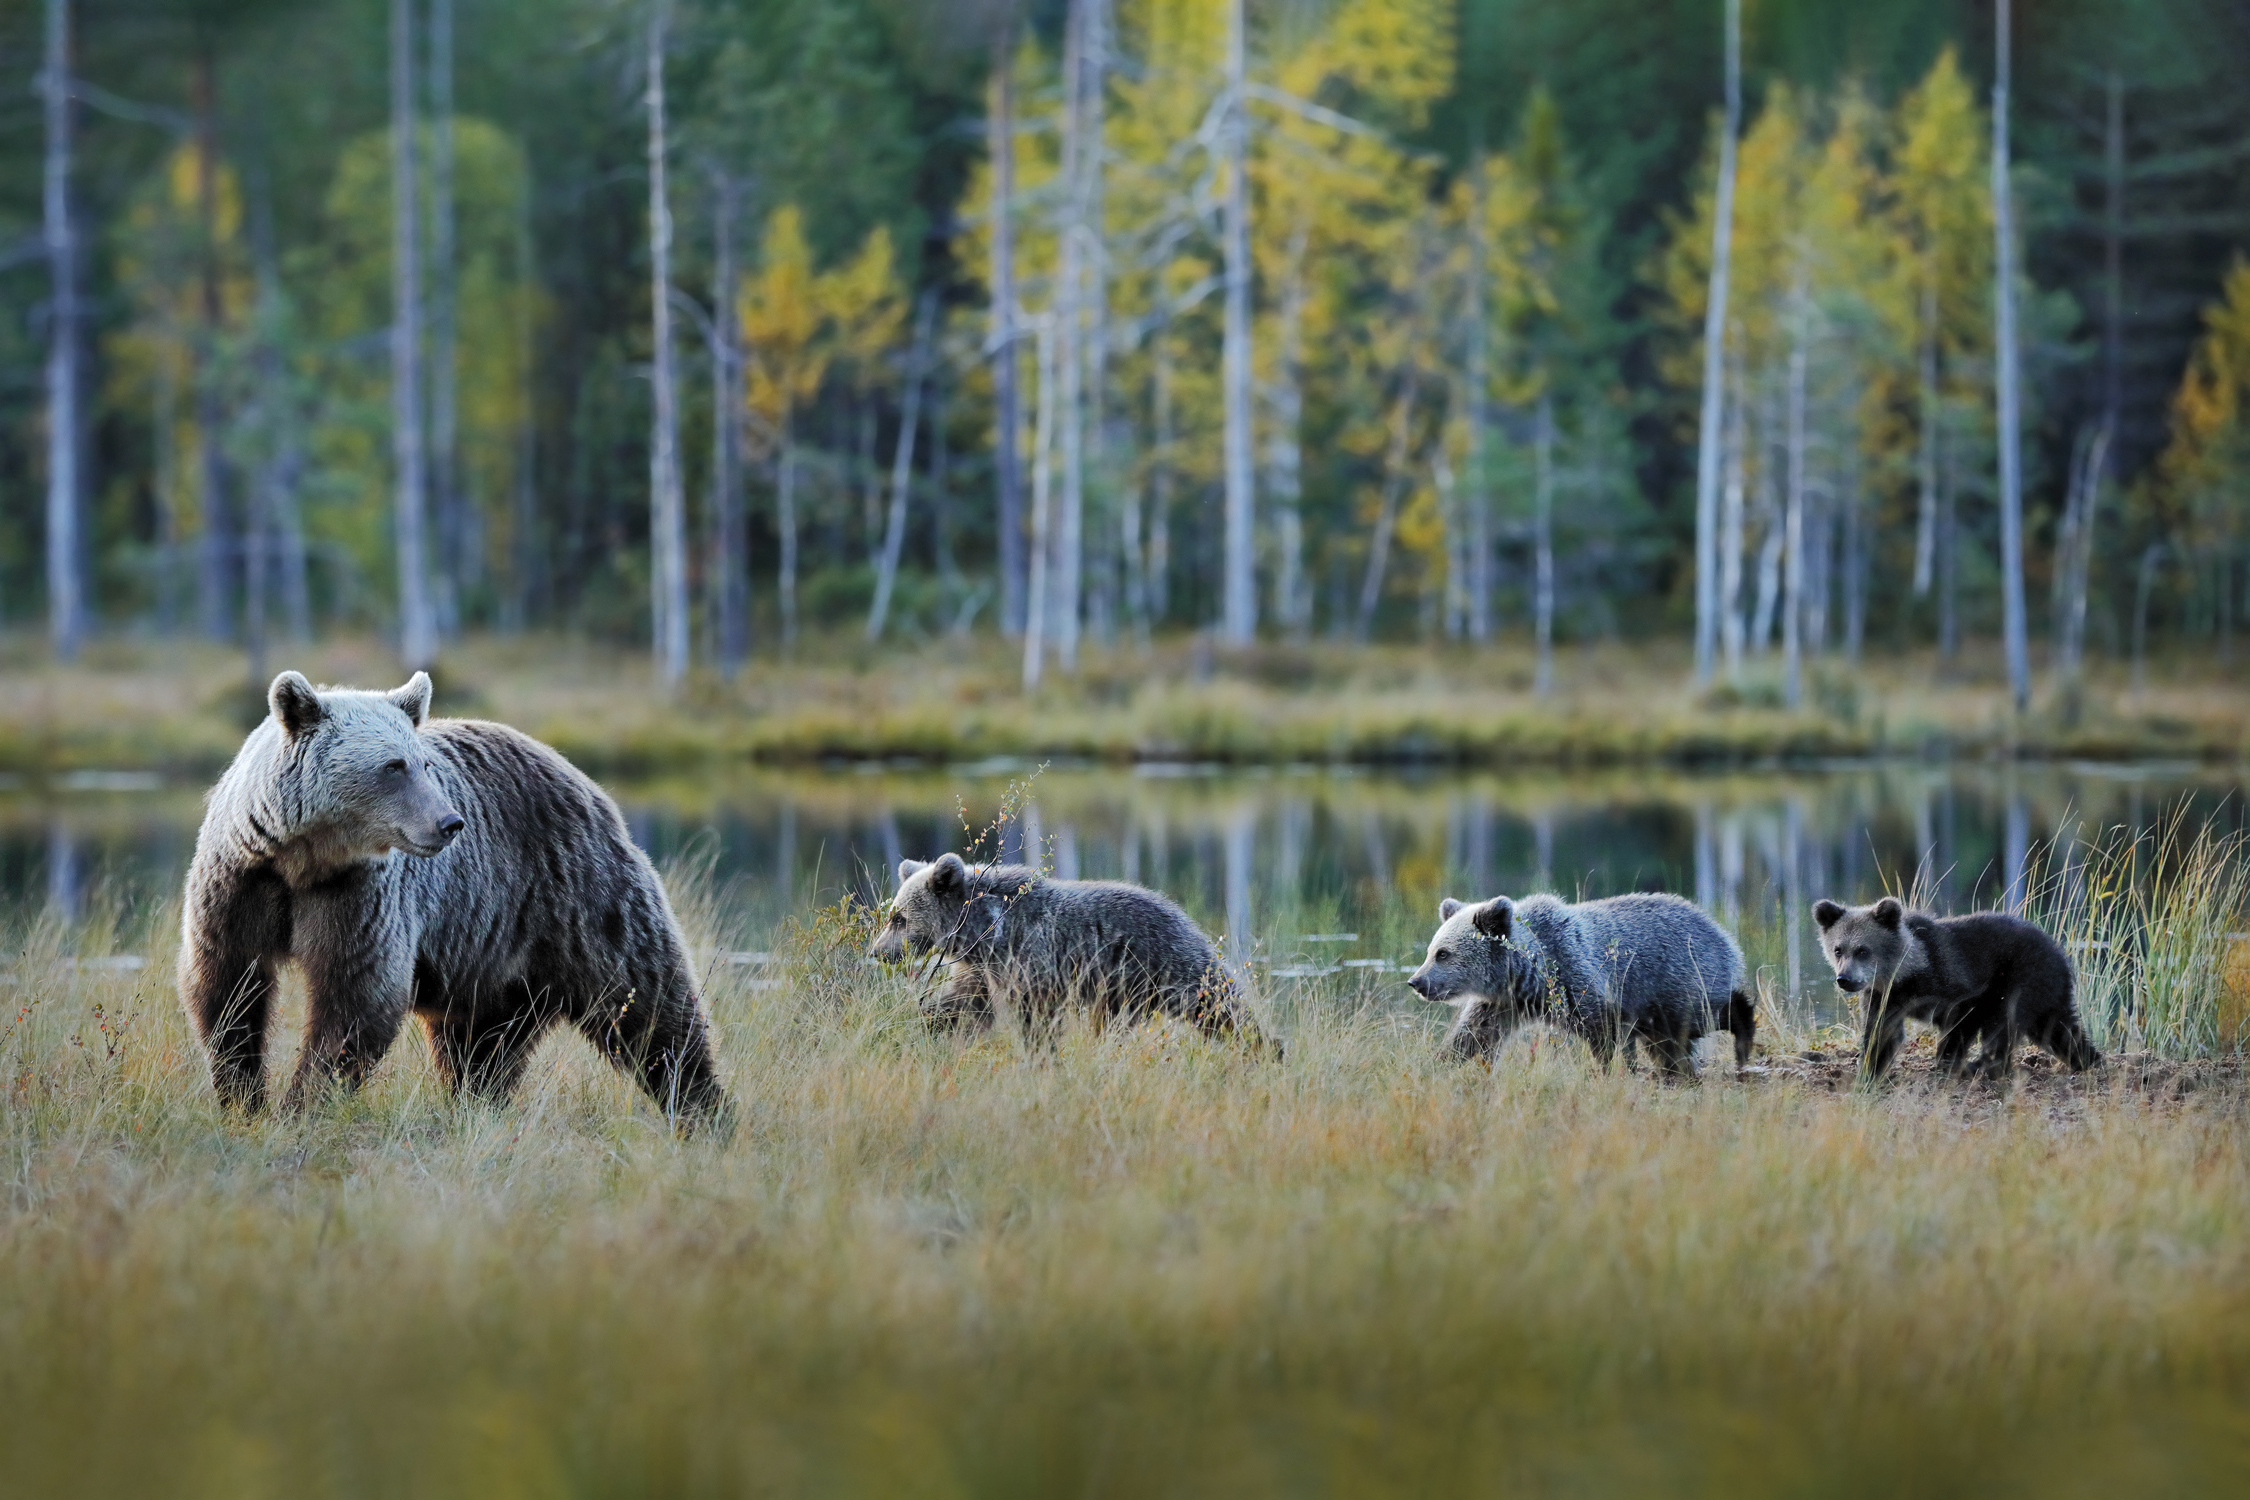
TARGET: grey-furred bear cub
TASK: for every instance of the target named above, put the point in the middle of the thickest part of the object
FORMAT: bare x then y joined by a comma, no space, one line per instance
1648,968
1013,937
1987,977
450,869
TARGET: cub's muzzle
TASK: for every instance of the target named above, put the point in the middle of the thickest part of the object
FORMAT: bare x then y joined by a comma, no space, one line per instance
1419,983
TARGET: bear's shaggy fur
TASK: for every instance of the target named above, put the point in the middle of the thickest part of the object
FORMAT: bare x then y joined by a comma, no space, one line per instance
1648,968
451,869
1012,937
1986,978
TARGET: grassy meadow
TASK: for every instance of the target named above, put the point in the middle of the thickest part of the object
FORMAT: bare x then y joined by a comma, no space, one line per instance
182,708
1130,1264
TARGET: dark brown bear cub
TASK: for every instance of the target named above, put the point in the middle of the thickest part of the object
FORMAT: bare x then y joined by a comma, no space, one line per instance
1986,978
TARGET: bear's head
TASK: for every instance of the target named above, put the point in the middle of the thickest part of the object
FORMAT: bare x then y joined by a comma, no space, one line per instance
935,911
1867,946
1475,966
353,773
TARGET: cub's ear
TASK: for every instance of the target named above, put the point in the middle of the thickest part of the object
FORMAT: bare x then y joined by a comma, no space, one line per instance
413,700
296,707
949,875
1826,913
1496,918
1889,912
1447,907
909,868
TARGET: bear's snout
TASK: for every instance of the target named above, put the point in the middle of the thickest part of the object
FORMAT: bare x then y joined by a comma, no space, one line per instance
1846,983
1419,983
449,827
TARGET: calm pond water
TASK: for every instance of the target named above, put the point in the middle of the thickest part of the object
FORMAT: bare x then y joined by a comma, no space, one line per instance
1305,869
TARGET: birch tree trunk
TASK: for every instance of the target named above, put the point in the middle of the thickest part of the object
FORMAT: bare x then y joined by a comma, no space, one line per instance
1543,542
1066,570
216,574
1730,518
1042,483
1239,622
1284,440
2014,625
1793,542
1926,366
1160,480
902,465
1478,495
65,385
1386,517
729,568
667,528
523,536
451,578
1707,521
417,630
1007,441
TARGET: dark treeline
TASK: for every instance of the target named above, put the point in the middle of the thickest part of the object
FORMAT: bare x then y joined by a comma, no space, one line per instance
1392,330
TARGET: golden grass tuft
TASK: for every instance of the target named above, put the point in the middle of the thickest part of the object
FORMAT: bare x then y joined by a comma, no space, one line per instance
1131,1264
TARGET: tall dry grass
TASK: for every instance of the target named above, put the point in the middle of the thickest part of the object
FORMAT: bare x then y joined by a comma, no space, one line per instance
1131,1264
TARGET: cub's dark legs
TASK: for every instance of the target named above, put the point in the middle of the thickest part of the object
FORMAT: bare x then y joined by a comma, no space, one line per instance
1879,1042
1742,1024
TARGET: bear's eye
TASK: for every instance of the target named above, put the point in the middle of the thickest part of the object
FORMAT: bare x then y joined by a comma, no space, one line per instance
898,919
1859,953
1445,955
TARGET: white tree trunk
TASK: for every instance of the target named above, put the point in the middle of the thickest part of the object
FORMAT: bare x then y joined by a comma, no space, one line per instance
1793,541
65,419
1042,483
417,629
729,570
1066,569
667,520
902,466
1731,537
1007,443
1160,481
455,550
1239,620
1284,438
2014,625
1708,566
1543,542
218,559
1478,494
1386,516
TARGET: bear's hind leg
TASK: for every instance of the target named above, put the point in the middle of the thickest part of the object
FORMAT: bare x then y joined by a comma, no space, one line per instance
656,1033
483,1055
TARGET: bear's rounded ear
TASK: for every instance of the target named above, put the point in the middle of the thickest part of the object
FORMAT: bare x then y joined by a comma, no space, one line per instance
413,700
1826,913
1889,913
1447,907
1496,917
909,868
948,874
296,707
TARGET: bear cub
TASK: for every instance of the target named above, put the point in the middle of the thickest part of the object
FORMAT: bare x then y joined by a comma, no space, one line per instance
1011,936
447,869
1987,978
1642,968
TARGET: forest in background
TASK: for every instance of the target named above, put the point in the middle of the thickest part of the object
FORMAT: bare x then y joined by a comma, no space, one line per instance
1092,319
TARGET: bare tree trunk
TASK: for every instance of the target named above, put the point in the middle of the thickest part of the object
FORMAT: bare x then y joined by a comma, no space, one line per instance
2113,260
667,529
1926,508
1478,496
1793,604
417,630
1007,441
216,575
1707,521
2144,585
451,578
274,541
785,521
523,532
1160,481
1949,552
1543,542
729,569
1772,522
66,607
1284,438
902,465
1042,483
1066,570
2015,627
2074,557
1239,623
1730,518
1386,518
